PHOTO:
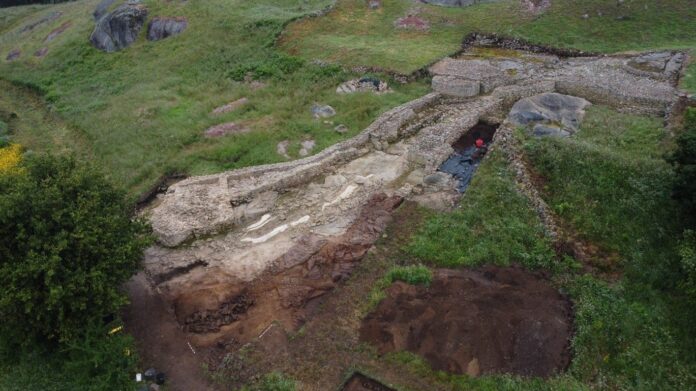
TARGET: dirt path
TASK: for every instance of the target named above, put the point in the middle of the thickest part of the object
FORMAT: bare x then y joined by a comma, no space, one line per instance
160,341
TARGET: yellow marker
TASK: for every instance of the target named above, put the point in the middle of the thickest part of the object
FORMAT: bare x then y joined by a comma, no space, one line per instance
116,330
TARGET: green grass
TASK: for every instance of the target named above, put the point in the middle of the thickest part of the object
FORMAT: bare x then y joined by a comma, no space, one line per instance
143,110
354,35
493,224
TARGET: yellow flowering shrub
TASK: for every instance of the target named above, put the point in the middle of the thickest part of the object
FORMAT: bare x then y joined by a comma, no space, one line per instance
10,157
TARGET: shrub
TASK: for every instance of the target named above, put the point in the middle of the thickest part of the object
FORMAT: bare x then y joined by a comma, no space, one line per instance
67,243
10,157
684,160
687,254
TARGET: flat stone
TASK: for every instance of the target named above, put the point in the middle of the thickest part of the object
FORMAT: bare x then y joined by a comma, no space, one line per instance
306,147
282,148
226,129
323,111
232,106
454,86
13,54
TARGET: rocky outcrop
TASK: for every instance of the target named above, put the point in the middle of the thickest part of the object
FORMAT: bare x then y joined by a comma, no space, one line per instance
120,28
102,9
163,27
549,114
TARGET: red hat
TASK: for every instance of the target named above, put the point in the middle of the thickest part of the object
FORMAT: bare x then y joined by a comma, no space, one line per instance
479,143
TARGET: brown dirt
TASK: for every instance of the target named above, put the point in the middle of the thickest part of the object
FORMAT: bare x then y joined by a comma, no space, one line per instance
160,341
491,320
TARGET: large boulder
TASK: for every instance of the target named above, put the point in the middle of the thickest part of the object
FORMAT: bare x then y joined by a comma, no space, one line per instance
102,9
119,28
549,114
161,27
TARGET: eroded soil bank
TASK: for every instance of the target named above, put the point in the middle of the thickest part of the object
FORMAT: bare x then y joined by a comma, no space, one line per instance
490,320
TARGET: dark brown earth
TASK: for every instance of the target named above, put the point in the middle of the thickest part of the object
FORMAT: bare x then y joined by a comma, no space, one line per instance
160,341
360,382
491,320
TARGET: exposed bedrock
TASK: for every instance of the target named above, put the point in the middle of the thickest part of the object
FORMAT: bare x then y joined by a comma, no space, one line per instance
163,27
120,28
549,114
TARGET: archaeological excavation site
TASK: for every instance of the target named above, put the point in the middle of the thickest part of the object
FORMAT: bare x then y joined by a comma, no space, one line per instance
270,266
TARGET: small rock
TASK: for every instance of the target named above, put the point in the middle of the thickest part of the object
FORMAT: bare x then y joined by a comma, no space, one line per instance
225,129
161,27
57,31
374,4
307,147
282,148
41,52
364,84
13,54
150,374
341,128
585,16
438,179
232,106
323,111
154,387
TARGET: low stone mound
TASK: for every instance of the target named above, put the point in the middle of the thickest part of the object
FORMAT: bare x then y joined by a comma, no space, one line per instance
490,320
549,114
161,27
364,84
120,28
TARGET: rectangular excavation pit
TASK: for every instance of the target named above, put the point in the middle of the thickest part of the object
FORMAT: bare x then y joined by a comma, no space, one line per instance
469,150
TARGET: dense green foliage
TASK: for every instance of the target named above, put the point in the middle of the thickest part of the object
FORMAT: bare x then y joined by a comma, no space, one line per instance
493,224
684,160
67,243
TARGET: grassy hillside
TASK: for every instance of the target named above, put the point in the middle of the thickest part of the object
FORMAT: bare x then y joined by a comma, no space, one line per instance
352,34
143,110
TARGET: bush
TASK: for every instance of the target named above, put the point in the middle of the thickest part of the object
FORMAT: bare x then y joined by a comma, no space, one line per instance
67,243
684,160
687,254
10,156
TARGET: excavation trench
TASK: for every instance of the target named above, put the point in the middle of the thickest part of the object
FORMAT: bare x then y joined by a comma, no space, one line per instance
484,321
467,156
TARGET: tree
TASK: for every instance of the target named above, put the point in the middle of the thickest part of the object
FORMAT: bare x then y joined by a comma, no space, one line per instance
684,161
67,243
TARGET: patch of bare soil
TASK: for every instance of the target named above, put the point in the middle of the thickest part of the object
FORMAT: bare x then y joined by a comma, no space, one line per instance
491,320
160,341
